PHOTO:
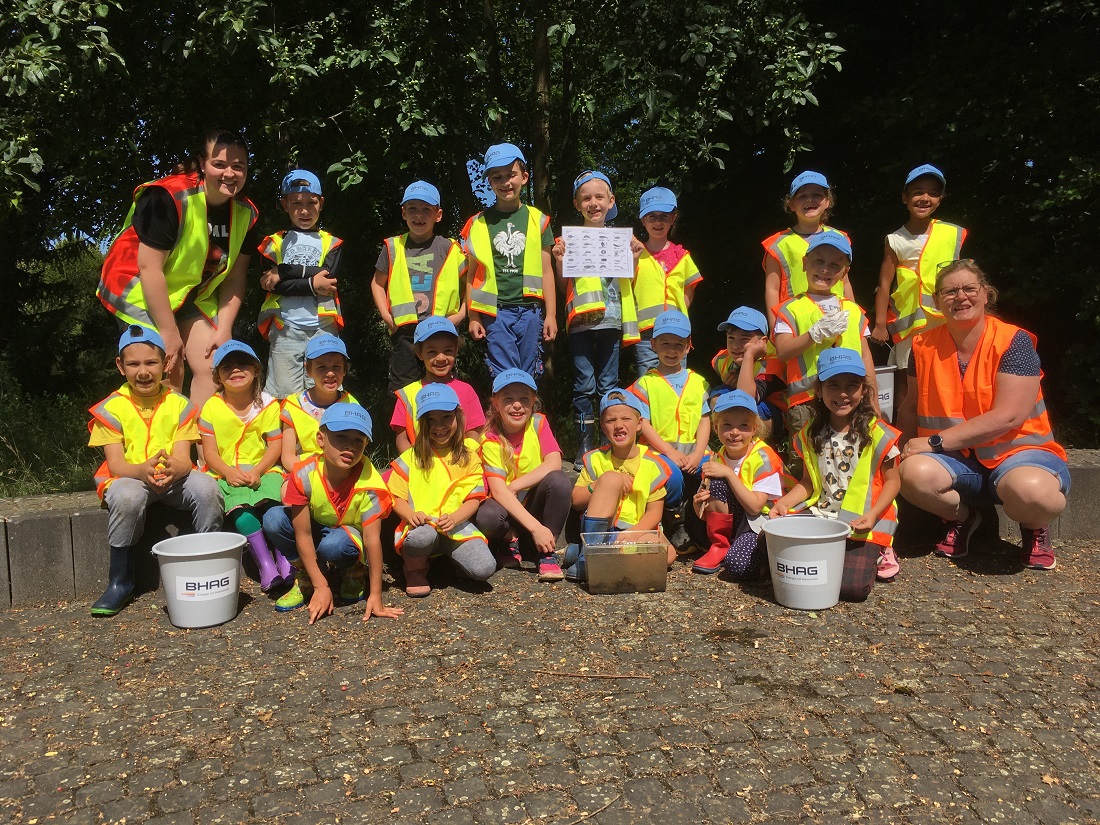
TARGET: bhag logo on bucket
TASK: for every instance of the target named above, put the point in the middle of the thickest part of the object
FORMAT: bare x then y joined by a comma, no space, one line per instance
204,588
803,572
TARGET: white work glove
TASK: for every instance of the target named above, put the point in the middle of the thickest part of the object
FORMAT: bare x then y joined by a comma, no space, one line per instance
829,327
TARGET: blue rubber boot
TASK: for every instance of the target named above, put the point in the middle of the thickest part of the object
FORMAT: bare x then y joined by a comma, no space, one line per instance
576,567
120,583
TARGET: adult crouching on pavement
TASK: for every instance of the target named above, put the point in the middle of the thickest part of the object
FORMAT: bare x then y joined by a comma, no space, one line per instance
982,435
179,263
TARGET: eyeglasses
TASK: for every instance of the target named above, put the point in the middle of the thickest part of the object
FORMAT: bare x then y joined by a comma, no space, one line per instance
970,291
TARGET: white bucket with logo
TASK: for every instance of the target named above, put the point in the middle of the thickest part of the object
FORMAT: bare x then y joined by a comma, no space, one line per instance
201,577
806,559
884,377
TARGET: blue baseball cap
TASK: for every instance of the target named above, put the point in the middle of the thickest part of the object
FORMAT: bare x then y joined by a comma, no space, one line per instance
839,361
502,154
733,400
672,322
137,334
324,344
512,376
344,416
746,318
806,178
435,398
421,190
433,325
657,199
629,399
231,347
830,237
300,180
585,177
925,169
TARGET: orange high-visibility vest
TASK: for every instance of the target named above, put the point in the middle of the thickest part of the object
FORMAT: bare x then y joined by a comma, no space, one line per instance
482,295
446,289
789,248
946,398
911,306
801,314
329,314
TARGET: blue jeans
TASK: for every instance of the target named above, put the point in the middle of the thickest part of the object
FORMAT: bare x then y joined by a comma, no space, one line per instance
976,484
333,544
595,367
513,339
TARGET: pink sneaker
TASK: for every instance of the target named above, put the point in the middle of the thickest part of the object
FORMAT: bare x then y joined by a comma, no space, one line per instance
1038,554
509,558
956,542
888,567
550,570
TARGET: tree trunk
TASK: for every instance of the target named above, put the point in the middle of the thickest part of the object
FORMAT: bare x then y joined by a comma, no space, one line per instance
540,140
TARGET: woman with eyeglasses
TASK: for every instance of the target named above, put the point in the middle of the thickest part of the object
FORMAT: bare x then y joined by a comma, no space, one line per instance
977,427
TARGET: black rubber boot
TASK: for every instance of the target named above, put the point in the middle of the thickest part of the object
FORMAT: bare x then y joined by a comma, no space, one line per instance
586,440
120,583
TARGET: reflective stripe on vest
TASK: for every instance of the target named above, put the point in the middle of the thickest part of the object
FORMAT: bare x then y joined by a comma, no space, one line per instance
584,295
760,462
141,439
435,491
651,476
445,286
305,426
120,287
407,395
675,417
656,290
912,307
329,314
866,483
369,501
240,444
789,248
483,276
945,396
801,314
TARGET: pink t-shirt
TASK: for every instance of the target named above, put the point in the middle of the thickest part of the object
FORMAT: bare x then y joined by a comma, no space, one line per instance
467,397
670,256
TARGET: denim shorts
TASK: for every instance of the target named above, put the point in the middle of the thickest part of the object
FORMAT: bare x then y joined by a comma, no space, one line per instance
977,484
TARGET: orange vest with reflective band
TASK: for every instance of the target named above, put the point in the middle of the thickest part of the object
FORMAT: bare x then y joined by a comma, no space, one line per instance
911,306
442,488
865,486
585,295
524,460
789,248
120,287
305,426
946,398
446,287
369,501
482,271
329,315
801,314
240,444
656,290
652,475
141,439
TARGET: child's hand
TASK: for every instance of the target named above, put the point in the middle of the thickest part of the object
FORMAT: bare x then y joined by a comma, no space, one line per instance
863,523
558,249
550,329
778,510
419,518
476,329
880,334
173,469
628,483
236,477
716,469
636,248
376,608
253,479
444,523
270,279
544,540
320,604
324,284
152,470
754,350
679,459
702,496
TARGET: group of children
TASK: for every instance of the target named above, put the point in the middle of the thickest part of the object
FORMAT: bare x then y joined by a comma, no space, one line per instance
284,461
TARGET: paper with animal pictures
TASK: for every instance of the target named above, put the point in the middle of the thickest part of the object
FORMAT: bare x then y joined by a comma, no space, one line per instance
592,252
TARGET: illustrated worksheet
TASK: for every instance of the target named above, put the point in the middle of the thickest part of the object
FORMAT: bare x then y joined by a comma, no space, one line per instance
596,253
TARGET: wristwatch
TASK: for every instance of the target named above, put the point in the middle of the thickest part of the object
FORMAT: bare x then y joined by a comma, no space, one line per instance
936,443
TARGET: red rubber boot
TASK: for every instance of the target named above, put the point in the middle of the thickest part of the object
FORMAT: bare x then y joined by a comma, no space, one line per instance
720,533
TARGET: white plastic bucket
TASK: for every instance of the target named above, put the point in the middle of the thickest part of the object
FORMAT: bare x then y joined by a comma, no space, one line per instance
806,559
884,376
201,577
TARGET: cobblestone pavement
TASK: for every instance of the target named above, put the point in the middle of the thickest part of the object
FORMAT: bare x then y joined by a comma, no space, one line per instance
958,694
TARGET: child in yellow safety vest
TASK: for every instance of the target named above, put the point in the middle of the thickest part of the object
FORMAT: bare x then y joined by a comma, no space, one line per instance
326,366
674,420
810,199
747,342
740,481
300,276
331,521
665,275
510,293
241,438
146,431
436,343
816,321
600,315
528,488
437,485
622,485
851,474
419,274
914,255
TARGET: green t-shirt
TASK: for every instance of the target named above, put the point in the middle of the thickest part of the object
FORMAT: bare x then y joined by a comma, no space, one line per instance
508,234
